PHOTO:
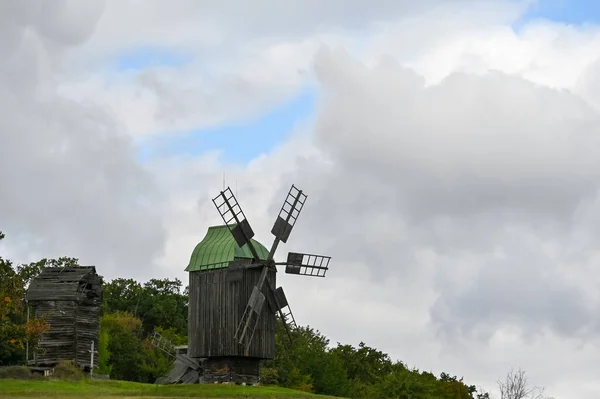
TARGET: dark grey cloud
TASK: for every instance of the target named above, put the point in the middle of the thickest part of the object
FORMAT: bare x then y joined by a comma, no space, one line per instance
70,183
489,173
526,290
469,145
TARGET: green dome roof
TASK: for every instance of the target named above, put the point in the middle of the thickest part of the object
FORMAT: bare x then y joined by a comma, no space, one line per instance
218,248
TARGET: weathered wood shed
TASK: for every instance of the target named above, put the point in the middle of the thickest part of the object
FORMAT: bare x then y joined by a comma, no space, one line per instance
69,299
216,306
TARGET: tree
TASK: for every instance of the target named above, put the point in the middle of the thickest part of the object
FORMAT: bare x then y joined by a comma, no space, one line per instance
127,355
483,394
306,364
28,271
124,345
364,364
15,330
158,303
104,366
516,386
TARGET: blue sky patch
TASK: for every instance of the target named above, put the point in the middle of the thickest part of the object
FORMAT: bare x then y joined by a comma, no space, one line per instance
573,12
145,57
239,142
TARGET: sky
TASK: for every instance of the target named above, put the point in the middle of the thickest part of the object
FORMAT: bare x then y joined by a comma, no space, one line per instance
450,151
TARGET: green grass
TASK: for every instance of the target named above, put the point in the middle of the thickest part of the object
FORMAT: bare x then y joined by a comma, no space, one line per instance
47,388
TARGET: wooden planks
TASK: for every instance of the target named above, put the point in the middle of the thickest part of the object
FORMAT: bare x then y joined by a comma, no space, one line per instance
69,299
57,342
63,283
215,309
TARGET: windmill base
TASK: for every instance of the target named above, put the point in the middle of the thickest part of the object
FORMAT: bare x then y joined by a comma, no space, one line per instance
215,370
237,370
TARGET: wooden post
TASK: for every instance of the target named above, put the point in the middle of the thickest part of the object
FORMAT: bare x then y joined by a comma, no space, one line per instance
27,343
92,360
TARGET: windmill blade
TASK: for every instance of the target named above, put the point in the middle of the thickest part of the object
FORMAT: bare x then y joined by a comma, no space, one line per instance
286,219
306,264
247,325
288,214
236,221
245,330
285,312
279,304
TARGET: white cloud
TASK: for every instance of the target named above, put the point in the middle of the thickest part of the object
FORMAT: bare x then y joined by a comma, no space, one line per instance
267,56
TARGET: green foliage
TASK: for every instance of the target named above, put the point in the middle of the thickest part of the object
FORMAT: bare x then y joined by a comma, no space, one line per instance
405,383
15,332
172,335
307,364
269,375
104,353
301,382
12,350
155,363
124,345
130,357
158,303
360,372
132,311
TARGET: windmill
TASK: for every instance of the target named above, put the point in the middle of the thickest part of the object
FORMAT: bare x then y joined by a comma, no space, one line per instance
234,299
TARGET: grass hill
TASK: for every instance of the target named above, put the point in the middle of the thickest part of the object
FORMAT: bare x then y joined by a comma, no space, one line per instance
103,389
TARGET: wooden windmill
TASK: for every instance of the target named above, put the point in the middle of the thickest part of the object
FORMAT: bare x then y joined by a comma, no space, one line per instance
69,298
233,295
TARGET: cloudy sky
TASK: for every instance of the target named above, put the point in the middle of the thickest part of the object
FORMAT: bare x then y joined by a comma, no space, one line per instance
450,151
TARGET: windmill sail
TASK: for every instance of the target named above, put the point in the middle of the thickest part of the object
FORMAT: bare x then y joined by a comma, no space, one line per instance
247,326
307,264
285,312
236,221
249,321
288,214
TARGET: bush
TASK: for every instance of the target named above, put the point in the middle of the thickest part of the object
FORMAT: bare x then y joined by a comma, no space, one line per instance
269,376
66,370
15,372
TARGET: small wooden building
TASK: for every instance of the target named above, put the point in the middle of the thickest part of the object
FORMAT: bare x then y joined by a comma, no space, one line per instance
69,299
216,306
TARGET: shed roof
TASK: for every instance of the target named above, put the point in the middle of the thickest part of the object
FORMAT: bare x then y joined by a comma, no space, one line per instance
218,248
60,283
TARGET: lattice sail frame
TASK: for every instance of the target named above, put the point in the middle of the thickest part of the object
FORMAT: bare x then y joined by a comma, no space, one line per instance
307,264
250,318
232,214
288,215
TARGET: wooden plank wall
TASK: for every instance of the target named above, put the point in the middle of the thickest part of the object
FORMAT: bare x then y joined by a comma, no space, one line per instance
57,343
216,307
88,327
74,323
